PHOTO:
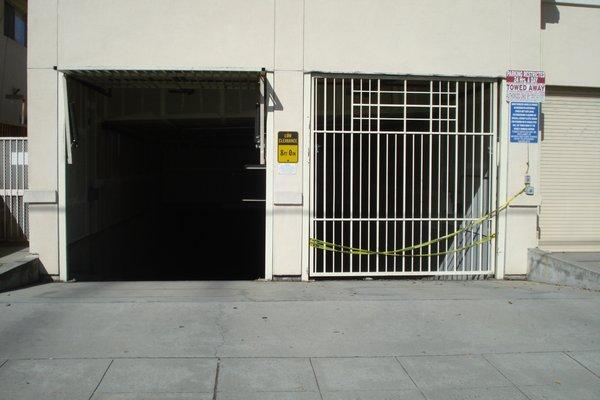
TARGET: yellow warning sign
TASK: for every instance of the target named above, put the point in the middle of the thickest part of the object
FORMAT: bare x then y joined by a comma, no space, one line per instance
287,147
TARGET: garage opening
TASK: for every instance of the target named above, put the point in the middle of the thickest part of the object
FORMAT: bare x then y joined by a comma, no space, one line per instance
165,175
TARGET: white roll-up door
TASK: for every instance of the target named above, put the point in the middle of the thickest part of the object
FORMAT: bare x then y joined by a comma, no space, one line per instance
570,170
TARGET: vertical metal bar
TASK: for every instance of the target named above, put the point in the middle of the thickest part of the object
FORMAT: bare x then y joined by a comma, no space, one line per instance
7,186
4,187
21,201
360,181
10,186
429,219
465,183
369,180
324,170
14,188
396,190
378,187
313,186
333,170
412,233
17,209
456,180
404,174
387,170
23,205
18,184
480,209
352,171
439,172
453,255
421,189
11,189
447,187
472,168
343,174
493,226
6,166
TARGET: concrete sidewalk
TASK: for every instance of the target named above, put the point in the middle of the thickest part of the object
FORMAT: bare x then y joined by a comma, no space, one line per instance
323,340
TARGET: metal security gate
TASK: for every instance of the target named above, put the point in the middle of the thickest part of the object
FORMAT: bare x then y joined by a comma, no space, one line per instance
13,182
398,163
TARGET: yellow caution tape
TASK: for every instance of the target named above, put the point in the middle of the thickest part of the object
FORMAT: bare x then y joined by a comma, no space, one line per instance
328,246
397,253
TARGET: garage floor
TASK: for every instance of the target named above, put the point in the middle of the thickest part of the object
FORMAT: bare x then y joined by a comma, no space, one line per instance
286,340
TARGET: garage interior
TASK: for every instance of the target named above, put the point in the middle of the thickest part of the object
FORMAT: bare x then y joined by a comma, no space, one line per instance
164,176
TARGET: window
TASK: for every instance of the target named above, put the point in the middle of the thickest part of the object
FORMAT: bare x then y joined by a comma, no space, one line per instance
15,24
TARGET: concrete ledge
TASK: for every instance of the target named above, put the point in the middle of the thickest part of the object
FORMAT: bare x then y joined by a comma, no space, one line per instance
559,268
20,269
40,196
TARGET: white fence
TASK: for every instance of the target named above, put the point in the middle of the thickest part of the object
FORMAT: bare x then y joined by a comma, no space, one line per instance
14,216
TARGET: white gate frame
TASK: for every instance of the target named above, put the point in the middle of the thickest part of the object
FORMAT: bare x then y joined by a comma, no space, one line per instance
63,159
307,175
308,170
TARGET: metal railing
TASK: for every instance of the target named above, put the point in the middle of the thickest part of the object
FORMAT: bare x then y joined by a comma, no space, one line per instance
14,215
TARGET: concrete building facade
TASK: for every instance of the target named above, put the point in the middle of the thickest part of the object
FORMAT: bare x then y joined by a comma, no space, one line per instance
89,61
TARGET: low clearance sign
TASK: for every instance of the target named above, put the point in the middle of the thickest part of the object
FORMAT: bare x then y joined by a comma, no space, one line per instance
525,86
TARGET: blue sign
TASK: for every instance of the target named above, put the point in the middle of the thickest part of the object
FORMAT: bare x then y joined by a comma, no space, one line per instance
524,122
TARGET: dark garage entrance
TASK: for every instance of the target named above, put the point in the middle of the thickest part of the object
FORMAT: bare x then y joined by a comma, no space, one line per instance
165,180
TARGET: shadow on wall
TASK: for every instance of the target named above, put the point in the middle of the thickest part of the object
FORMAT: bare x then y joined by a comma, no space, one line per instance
550,13
10,229
275,104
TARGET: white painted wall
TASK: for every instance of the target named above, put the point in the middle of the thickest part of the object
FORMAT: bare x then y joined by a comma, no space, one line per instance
288,81
570,37
43,164
164,34
424,37
291,38
462,37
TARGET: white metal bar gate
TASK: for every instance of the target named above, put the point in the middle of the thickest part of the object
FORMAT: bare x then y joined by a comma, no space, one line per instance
400,162
13,182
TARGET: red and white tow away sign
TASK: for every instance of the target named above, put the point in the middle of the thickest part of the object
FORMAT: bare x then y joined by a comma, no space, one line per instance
525,86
